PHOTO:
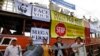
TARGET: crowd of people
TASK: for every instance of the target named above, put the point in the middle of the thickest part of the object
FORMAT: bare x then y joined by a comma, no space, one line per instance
58,49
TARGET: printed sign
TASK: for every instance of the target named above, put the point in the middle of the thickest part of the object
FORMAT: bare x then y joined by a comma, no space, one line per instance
64,3
23,8
41,14
60,29
38,34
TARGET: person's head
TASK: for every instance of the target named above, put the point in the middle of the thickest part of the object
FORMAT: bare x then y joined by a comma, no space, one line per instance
44,41
14,42
30,41
59,39
78,40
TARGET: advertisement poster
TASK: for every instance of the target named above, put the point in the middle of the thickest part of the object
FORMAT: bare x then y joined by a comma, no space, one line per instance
38,34
66,26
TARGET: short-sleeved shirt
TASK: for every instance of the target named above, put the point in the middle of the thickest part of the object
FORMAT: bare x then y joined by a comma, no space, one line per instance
46,50
13,51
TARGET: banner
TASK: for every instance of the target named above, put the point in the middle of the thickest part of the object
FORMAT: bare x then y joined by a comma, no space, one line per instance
66,26
38,34
41,14
23,8
64,3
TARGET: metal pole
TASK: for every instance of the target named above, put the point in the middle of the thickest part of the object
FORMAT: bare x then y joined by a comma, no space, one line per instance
31,9
23,27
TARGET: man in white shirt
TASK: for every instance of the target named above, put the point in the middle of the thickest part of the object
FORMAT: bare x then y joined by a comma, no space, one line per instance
79,47
13,50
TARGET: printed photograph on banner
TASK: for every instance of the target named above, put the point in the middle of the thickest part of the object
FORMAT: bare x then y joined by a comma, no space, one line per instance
38,34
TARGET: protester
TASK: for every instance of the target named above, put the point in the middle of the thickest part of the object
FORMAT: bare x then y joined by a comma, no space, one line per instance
59,48
30,46
79,47
13,50
1,54
33,50
46,48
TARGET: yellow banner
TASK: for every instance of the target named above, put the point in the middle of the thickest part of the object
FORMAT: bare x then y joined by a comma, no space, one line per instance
66,26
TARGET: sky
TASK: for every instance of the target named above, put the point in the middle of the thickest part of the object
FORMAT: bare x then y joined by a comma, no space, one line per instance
87,7
83,7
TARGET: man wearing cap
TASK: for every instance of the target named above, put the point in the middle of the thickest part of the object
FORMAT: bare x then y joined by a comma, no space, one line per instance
13,49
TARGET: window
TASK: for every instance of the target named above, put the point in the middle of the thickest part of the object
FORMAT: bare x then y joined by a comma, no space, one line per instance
6,41
27,34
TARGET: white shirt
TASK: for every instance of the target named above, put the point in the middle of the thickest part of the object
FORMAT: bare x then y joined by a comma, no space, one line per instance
13,51
59,51
80,48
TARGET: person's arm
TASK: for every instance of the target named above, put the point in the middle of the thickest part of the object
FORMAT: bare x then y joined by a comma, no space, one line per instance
43,50
81,45
6,52
50,50
85,50
53,50
74,48
65,46
19,50
55,47
26,49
